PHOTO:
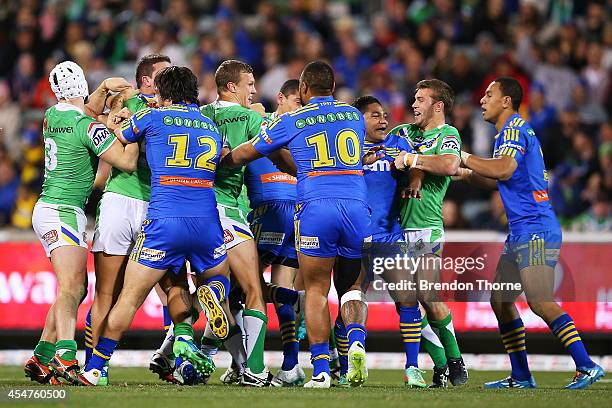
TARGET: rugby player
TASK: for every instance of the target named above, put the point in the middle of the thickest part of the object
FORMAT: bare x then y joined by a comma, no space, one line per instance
272,195
438,146
73,143
382,180
532,248
238,124
183,148
332,220
121,211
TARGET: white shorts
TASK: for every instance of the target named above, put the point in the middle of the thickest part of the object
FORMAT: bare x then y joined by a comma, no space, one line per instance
425,241
118,223
58,225
234,224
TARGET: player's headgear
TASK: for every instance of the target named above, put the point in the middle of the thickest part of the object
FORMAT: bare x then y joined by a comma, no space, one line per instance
68,81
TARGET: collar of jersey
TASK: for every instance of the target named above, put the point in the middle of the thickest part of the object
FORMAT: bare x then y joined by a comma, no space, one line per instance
316,99
224,104
64,107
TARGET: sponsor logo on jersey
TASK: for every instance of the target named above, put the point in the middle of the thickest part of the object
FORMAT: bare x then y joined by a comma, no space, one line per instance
540,196
50,237
150,254
227,236
265,136
271,238
379,165
309,242
278,177
98,133
232,120
450,143
219,252
65,129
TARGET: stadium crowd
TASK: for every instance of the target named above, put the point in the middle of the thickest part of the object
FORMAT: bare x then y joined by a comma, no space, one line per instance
560,50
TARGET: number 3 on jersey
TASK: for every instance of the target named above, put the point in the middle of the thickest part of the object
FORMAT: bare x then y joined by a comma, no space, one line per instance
204,161
50,154
347,149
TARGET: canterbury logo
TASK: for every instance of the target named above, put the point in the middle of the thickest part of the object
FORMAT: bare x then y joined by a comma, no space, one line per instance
540,196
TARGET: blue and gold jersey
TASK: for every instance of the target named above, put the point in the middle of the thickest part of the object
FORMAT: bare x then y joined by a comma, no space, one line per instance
381,178
525,194
325,139
183,149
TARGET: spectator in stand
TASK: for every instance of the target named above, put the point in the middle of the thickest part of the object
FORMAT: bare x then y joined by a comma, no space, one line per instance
570,177
557,142
598,218
590,112
10,123
558,78
542,117
494,217
9,183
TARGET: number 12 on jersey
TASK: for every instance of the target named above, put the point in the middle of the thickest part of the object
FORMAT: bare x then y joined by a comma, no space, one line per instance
179,158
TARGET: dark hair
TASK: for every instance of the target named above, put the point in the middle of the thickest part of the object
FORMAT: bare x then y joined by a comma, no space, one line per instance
290,87
145,66
363,102
319,76
177,84
441,92
512,88
229,71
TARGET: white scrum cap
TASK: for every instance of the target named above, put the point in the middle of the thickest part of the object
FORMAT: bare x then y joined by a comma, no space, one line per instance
68,81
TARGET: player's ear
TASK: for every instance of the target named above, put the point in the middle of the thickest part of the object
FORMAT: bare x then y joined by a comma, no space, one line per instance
231,87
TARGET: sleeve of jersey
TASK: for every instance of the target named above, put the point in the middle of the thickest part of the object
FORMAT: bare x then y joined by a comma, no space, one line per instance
97,137
514,143
271,137
135,128
450,143
404,146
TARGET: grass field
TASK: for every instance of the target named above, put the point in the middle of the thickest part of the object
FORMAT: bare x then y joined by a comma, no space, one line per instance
136,387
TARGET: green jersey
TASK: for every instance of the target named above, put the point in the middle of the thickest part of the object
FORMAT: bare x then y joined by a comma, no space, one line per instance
427,213
236,124
73,142
137,184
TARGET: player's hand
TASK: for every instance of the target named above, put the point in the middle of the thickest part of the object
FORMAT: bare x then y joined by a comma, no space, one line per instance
403,160
373,154
116,84
464,157
114,119
461,174
259,108
412,191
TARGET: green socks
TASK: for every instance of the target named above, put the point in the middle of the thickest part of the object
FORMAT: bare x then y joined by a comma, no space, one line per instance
432,344
255,323
183,329
44,351
66,349
446,332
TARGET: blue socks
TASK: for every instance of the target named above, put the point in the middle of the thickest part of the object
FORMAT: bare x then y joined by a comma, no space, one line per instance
102,353
88,337
563,327
410,329
319,357
513,337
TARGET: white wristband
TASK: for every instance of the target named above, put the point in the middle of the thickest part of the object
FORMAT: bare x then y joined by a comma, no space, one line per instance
414,161
465,156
